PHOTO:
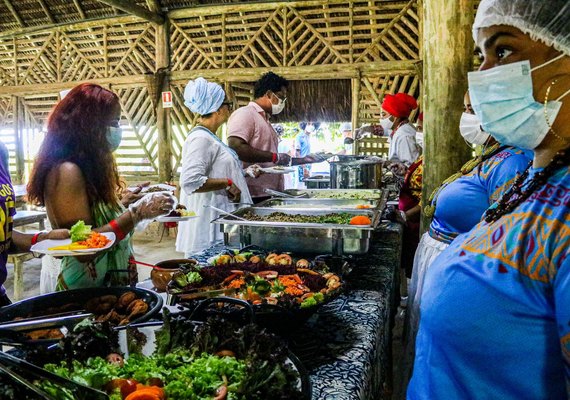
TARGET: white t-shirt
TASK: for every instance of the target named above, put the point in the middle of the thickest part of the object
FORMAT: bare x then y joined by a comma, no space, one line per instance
403,146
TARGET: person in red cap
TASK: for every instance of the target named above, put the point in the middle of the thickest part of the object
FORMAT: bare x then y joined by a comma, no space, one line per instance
395,112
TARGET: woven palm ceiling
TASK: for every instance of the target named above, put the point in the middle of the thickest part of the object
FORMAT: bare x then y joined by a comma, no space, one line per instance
18,14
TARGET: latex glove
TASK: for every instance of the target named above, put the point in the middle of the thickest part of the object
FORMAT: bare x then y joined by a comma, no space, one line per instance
151,206
234,194
253,170
283,159
128,197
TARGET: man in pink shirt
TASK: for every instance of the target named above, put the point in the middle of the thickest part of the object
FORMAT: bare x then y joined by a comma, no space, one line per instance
253,138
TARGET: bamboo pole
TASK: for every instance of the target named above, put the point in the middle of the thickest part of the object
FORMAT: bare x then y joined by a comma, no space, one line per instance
340,71
162,82
141,12
356,83
448,55
18,135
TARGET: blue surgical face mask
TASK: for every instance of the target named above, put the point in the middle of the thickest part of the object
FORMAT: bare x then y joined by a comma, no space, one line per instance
502,98
114,137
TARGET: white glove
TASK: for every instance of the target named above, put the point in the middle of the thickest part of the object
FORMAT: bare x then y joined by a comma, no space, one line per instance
151,206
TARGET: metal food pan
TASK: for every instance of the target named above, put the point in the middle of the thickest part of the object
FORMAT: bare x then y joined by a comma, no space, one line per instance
332,205
338,193
308,238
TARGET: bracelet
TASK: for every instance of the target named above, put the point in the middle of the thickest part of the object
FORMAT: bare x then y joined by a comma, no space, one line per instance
230,183
35,237
274,157
117,230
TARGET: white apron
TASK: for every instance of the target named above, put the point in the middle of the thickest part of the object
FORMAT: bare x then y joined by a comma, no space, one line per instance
205,156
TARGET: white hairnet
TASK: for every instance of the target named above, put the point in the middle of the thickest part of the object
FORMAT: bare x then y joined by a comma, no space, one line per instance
543,20
203,97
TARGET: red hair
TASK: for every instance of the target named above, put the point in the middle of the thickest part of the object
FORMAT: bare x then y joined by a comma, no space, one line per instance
77,133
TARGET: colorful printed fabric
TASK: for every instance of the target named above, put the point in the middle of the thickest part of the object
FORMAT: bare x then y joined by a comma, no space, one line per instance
461,204
413,179
75,274
495,313
7,212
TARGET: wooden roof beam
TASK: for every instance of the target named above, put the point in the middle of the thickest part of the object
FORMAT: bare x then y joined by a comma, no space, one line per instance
134,9
79,9
46,11
14,12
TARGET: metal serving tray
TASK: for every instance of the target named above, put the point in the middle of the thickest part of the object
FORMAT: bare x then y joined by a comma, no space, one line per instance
332,205
354,194
307,238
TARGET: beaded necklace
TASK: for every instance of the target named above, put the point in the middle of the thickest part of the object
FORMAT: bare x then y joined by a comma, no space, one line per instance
516,194
429,209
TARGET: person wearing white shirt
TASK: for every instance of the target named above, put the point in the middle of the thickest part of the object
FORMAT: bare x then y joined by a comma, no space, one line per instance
395,123
211,173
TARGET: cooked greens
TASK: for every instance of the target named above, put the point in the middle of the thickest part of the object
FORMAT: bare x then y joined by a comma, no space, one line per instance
333,218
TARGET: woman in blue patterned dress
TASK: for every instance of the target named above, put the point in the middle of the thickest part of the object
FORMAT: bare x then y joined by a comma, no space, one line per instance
495,312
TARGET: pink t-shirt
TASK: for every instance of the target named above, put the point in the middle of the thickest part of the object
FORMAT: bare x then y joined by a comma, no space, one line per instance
251,124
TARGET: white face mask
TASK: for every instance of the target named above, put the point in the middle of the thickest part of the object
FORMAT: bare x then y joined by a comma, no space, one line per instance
470,128
277,108
420,139
387,124
503,98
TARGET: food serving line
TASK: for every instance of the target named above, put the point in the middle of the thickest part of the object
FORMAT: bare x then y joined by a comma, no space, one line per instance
343,259
346,345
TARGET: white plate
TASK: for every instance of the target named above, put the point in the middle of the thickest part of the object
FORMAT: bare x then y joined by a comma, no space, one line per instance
43,246
176,219
273,170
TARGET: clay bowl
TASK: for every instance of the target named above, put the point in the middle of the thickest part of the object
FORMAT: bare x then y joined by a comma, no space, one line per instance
164,270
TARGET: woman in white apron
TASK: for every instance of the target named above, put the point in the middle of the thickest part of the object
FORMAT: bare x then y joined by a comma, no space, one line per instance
212,173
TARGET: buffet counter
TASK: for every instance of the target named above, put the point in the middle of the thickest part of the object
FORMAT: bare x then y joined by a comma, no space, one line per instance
346,345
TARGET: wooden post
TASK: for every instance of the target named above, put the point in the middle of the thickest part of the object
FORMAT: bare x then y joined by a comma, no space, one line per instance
355,108
162,82
448,56
18,135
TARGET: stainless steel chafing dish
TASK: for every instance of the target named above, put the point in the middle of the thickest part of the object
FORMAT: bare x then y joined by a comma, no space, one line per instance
308,238
332,205
338,193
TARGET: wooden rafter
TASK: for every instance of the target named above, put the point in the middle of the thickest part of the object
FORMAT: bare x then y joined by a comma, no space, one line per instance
134,9
79,9
14,12
46,10
65,26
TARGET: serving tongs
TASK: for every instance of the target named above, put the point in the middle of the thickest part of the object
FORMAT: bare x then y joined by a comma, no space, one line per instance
229,214
27,370
199,294
45,321
285,195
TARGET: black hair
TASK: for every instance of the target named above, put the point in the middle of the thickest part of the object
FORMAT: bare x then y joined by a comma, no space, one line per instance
302,125
269,82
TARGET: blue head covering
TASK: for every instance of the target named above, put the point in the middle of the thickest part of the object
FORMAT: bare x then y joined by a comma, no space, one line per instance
203,97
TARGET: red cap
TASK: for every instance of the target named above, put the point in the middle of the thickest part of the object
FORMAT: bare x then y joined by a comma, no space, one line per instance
400,105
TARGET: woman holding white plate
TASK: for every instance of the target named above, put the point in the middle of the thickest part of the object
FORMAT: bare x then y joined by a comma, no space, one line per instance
212,173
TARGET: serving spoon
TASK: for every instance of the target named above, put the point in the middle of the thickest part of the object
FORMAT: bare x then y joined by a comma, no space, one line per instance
225,212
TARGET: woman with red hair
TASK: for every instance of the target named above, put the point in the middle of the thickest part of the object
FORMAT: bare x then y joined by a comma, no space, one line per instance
395,112
76,178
